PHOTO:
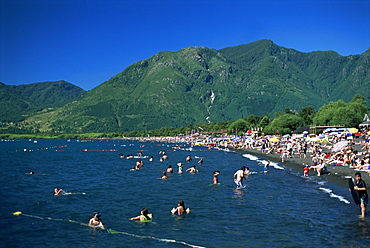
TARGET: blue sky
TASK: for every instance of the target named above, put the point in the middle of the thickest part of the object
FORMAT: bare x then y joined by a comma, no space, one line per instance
88,42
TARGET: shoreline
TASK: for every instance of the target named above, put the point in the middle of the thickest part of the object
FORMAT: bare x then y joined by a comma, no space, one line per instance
337,173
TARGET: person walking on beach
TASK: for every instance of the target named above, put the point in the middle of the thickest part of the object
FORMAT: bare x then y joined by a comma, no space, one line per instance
360,186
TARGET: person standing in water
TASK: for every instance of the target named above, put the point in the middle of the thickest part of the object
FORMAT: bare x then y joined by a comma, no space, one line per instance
215,177
360,186
95,221
188,158
238,177
180,165
144,216
180,210
266,167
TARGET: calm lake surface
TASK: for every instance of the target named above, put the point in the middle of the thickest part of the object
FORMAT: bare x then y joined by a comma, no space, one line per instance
276,209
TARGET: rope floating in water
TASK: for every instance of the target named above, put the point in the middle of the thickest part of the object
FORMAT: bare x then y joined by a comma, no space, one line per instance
112,231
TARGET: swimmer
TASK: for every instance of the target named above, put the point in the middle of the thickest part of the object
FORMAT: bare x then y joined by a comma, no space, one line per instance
95,221
32,173
192,170
200,161
215,177
188,158
144,216
247,172
151,158
180,165
164,175
121,155
180,210
169,169
58,191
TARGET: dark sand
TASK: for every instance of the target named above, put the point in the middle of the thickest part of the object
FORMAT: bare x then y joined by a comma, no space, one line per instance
337,173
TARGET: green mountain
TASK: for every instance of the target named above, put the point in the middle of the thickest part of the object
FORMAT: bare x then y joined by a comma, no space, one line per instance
198,84
19,102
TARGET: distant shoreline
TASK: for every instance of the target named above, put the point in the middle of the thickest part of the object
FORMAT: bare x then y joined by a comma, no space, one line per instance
337,173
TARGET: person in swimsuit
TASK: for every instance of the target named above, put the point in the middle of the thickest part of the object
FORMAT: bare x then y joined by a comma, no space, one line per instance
360,186
95,221
58,191
144,216
239,176
164,175
192,170
188,158
180,210
266,167
215,177
180,167
169,169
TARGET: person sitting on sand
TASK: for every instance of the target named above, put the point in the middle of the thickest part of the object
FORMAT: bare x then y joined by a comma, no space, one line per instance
95,221
144,216
192,170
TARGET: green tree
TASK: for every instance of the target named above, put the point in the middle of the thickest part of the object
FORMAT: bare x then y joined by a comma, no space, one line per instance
307,113
239,126
341,113
284,123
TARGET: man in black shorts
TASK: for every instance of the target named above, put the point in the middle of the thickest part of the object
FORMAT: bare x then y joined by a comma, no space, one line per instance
362,193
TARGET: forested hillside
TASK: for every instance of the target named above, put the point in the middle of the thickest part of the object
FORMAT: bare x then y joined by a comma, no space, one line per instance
198,84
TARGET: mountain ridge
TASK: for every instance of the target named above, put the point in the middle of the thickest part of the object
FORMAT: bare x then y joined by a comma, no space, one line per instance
198,84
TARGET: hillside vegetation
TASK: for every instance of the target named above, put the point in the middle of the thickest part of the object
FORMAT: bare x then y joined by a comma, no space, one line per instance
198,84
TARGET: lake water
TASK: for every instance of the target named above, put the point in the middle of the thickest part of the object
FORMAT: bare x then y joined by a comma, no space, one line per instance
276,209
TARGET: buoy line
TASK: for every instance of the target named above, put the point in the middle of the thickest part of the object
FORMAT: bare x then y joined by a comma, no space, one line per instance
111,230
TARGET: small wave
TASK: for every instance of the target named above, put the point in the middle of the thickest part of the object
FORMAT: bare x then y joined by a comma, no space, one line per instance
250,157
254,158
330,192
272,164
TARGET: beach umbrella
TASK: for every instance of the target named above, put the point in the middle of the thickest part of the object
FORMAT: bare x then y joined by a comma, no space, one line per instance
274,139
339,146
315,139
353,130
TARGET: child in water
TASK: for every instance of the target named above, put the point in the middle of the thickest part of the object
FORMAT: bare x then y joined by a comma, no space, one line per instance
180,209
95,221
305,170
144,216
215,177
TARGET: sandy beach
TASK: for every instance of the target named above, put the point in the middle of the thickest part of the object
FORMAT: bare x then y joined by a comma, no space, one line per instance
337,174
